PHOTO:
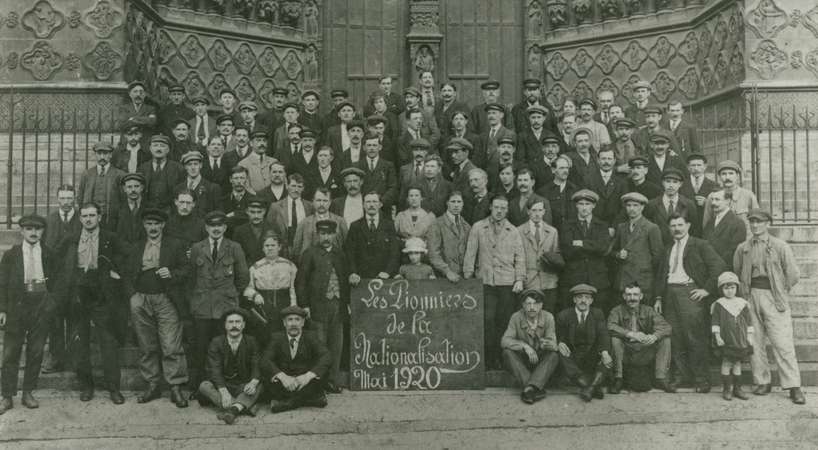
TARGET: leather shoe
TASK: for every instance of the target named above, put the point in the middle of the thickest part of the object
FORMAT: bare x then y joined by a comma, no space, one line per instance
6,404
117,397
277,406
703,387
527,396
86,395
665,386
586,393
616,386
319,401
228,415
151,393
332,388
598,393
539,394
53,367
29,401
797,396
177,398
763,389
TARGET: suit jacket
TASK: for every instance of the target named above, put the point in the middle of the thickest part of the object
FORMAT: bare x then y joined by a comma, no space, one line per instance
460,177
726,236
543,261
641,138
478,122
647,188
311,356
371,253
580,169
56,230
247,356
645,248
490,146
111,186
654,174
111,254
159,186
596,327
382,180
313,278
701,263
217,283
129,223
474,210
170,112
259,174
586,263
434,200
12,281
687,136
447,244
270,197
279,214
562,206
707,187
656,212
208,196
220,176
529,147
172,254
404,145
519,215
609,206
478,150
250,245
428,128
306,236
121,156
444,118
298,164
334,183
128,114
520,122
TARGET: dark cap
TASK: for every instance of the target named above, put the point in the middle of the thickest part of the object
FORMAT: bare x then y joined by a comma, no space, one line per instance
258,133
308,133
215,218
728,165
638,161
256,202
507,140
325,226
550,138
411,90
176,88
582,288
280,91
420,143
201,99
339,93
585,194
227,91
32,220
154,214
624,122
536,109
345,103
587,101
652,109
375,119
457,143
136,83
191,156
293,309
352,171
224,118
309,92
532,83
673,173
240,311
356,124
641,84
695,156
161,138
102,147
133,176
532,293
176,122
491,84
759,214
248,105
660,135
495,107
131,127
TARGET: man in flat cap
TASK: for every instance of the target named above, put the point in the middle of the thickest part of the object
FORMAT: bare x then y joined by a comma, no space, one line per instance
208,194
294,364
411,173
135,110
233,380
445,109
542,153
742,200
478,120
638,182
379,173
203,125
599,132
530,346
306,235
583,157
426,124
258,163
660,158
584,243
685,132
131,150
220,273
659,209
180,142
161,174
685,281
305,161
229,102
494,132
286,139
351,205
768,270
249,110
459,150
637,246
101,184
653,124
322,286
129,215
339,97
641,96
274,117
174,109
339,135
531,139
583,342
250,235
310,115
623,145
28,276
153,277
521,112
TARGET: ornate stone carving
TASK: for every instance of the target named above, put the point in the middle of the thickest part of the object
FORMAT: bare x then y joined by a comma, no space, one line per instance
663,86
293,93
582,90
607,84
722,71
243,8
627,88
43,20
291,65
423,61
811,61
217,83
634,7
689,48
42,61
609,9
312,20
311,58
194,86
165,47
103,19
268,11
634,55
688,84
737,64
534,67
265,93
290,13
810,20
556,66
219,56
12,20
707,77
768,60
719,36
72,62
662,4
245,90
797,59
582,11
244,58
766,19
12,60
268,61
705,41
582,63
557,13
424,17
607,59
192,51
556,95
103,61
534,15
662,52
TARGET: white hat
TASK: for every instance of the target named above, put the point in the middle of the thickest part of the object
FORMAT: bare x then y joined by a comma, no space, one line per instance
415,245
727,278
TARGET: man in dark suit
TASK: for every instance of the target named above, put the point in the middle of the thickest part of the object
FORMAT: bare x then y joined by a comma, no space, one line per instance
93,259
410,173
660,158
101,184
661,208
724,231
434,188
379,174
153,276
203,126
174,110
447,107
518,206
218,165
584,243
293,365
641,96
304,162
324,301
583,158
274,118
337,135
180,142
208,194
287,213
697,186
532,139
130,153
683,130
426,124
250,235
521,112
234,203
233,372
128,217
685,284
324,175
372,244
459,149
161,174
478,121
583,343
27,276
637,247
135,110
638,182
394,101
477,200
610,187
559,191
494,133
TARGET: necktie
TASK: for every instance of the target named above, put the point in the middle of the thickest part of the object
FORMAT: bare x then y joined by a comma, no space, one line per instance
582,317
584,227
455,172
293,217
64,217
190,184
215,164
200,135
372,225
492,133
671,206
417,169
371,165
604,117
678,257
634,323
537,237
457,222
215,251
428,99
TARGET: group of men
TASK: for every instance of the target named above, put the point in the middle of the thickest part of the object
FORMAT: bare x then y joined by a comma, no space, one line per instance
560,210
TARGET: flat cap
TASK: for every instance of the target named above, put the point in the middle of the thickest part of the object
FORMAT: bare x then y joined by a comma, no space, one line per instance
293,310
280,91
375,119
176,88
419,143
32,220
326,226
673,173
641,85
308,133
160,138
136,83
289,105
532,83
309,92
223,118
102,147
256,202
154,214
634,197
240,311
491,84
174,123
587,101
638,161
585,194
191,156
759,215
696,156
131,127
550,138
507,140
536,109
457,143
200,99
494,107
227,90
352,171
215,218
343,104
728,164
532,293
258,133
727,278
652,109
582,288
133,176
624,122
339,93
356,124
248,105
583,130
660,135
411,90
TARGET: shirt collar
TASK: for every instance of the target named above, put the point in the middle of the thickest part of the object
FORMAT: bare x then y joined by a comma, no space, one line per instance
765,238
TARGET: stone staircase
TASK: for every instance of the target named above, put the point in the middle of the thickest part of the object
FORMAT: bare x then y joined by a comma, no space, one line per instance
803,239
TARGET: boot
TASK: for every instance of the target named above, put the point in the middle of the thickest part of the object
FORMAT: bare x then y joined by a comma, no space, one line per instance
6,404
797,396
177,397
727,387
737,392
151,393
616,386
593,390
29,401
762,389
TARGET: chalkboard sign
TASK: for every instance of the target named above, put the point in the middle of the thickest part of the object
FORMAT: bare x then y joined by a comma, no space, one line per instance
418,335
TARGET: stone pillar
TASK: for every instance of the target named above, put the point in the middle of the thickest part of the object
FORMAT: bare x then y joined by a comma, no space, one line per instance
424,38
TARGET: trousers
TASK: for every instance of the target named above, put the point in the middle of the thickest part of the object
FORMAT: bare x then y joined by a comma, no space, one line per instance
661,360
499,306
29,326
776,325
528,374
159,333
93,308
329,328
690,344
209,390
204,330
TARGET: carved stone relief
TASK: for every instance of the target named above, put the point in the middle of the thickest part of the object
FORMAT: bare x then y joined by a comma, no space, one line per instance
768,60
268,61
244,58
767,19
607,59
192,51
311,58
582,63
103,61
103,18
663,86
556,95
557,65
662,52
582,90
534,16
634,55
43,20
688,84
41,61
245,90
219,56
217,83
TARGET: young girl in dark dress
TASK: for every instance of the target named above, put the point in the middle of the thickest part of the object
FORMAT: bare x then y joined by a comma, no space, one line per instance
733,333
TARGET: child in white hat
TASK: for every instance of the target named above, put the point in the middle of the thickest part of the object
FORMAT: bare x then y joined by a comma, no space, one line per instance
416,270
733,333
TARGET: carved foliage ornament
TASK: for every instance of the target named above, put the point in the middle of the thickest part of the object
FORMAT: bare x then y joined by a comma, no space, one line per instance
767,19
557,13
607,59
43,20
582,63
768,60
192,51
662,52
556,95
245,90
194,86
42,61
103,18
556,66
292,65
165,47
810,20
424,16
634,55
74,19
811,61
103,61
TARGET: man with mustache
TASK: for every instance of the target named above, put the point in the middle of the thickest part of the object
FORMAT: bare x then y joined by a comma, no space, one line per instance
742,200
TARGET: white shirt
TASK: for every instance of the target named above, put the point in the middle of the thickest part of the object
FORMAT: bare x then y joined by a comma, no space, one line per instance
581,315
32,262
606,176
293,345
325,173
308,155
371,219
344,136
353,209
696,183
234,344
214,161
674,123
216,242
371,163
278,191
677,256
719,216
354,154
201,121
66,216
666,201
660,161
133,158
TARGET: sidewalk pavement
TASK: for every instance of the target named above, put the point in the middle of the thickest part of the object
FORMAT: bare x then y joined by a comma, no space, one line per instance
493,418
